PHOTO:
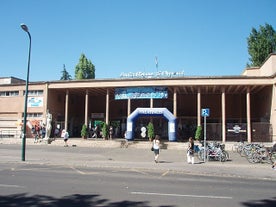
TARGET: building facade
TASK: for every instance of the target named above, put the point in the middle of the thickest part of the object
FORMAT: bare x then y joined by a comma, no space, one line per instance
241,107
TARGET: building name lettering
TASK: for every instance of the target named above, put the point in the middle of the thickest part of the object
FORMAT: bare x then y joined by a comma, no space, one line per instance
159,74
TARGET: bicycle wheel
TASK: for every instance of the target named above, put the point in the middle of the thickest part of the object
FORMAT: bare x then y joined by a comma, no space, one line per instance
200,154
273,157
223,156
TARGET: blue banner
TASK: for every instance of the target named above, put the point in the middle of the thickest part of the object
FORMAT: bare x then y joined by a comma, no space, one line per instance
141,93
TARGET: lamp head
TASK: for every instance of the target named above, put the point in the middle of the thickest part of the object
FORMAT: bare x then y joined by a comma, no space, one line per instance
24,27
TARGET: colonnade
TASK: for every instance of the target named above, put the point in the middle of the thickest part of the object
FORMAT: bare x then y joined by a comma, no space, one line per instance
223,111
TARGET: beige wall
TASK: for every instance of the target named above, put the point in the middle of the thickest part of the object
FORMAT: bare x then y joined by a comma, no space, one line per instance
267,69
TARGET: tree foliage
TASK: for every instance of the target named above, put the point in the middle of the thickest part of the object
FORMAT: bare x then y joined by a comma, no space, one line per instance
198,132
84,131
261,43
84,69
150,128
64,74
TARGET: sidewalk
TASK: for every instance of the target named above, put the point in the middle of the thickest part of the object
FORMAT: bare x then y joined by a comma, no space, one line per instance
137,156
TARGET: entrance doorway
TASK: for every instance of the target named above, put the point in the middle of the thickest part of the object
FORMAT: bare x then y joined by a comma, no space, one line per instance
151,112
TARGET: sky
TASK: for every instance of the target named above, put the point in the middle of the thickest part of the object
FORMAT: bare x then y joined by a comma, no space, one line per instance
199,37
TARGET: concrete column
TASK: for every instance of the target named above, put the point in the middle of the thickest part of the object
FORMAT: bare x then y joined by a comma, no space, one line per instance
273,113
223,119
86,108
66,110
174,102
198,108
128,106
248,116
46,95
151,103
107,107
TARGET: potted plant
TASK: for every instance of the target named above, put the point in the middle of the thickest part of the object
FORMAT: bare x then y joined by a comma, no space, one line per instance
104,130
198,133
150,129
84,131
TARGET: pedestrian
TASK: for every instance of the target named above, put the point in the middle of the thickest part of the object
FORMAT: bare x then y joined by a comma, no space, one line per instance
190,151
156,147
56,132
273,150
65,136
43,131
111,132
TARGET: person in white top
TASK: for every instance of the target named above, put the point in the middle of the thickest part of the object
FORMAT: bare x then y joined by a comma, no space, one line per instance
156,147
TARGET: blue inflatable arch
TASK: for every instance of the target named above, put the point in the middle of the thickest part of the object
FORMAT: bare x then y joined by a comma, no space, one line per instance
152,112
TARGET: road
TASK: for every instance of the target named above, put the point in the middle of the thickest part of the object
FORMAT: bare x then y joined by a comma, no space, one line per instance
46,185
49,183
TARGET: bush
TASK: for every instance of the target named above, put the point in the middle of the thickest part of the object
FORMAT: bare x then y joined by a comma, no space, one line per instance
84,131
198,132
104,130
150,129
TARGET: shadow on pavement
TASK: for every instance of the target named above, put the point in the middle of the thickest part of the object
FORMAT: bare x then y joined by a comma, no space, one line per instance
260,203
24,200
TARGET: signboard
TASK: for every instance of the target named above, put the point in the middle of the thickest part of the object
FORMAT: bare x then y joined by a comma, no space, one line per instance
141,93
35,102
148,75
97,115
205,112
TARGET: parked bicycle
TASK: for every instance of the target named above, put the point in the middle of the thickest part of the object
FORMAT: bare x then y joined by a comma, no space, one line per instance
257,153
214,151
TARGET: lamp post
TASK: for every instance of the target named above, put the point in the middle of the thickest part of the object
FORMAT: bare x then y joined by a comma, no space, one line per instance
25,28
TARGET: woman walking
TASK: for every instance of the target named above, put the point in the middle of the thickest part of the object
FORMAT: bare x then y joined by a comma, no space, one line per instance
156,147
190,151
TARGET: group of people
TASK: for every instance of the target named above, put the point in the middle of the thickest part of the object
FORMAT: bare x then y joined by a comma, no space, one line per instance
190,150
156,149
38,132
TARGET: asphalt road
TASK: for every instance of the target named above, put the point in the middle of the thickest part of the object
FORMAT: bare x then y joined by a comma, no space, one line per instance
46,185
58,176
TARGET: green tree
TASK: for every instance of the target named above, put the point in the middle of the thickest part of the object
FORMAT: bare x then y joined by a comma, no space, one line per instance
84,131
84,69
105,130
198,132
261,43
150,128
64,74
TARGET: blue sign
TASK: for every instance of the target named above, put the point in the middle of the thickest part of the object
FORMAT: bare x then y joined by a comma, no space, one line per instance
141,93
205,112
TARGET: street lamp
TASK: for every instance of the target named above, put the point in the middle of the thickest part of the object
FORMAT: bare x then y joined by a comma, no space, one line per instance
25,28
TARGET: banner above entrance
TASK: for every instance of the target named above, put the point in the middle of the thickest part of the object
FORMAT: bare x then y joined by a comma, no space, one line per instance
141,93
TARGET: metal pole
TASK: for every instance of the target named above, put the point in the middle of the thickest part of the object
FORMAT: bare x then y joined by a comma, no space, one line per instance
204,138
25,28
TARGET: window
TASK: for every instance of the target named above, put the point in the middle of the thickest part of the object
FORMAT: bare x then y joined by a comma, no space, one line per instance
34,93
33,115
9,93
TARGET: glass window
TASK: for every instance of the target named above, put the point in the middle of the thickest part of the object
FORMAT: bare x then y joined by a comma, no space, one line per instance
9,93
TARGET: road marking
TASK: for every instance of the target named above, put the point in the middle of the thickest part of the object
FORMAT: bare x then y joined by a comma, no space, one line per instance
139,171
182,195
78,171
82,172
165,173
11,186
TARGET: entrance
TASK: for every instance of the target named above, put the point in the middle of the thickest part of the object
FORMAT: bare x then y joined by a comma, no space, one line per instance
151,112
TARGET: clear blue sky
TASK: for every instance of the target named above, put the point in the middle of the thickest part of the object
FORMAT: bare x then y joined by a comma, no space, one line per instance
201,37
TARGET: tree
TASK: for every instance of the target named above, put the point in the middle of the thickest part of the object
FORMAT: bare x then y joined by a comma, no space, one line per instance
260,44
150,128
105,130
64,74
84,131
198,132
84,69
